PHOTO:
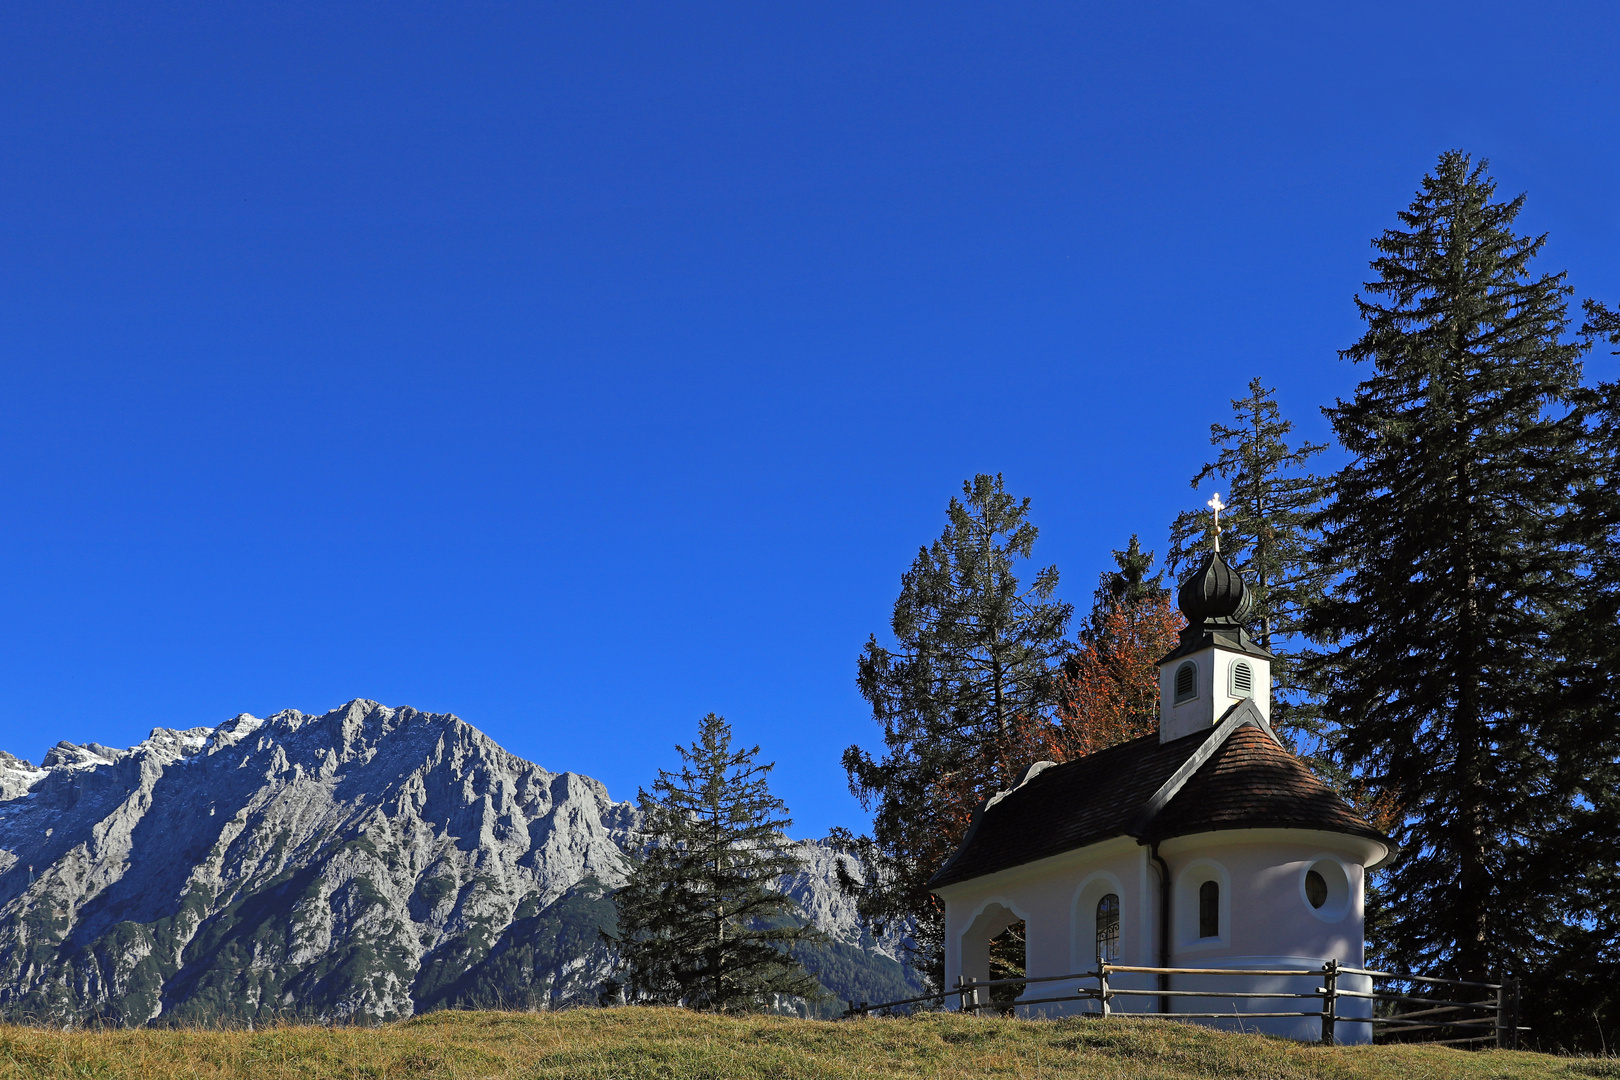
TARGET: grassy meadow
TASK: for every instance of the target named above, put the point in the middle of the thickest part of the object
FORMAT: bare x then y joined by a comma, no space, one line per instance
645,1042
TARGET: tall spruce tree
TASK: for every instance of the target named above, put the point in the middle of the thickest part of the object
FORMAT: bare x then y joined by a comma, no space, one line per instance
701,921
972,674
1266,534
1448,535
1574,998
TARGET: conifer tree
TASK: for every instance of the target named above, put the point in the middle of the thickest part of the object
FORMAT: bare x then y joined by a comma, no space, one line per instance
1109,689
973,672
701,921
1447,531
1601,321
1266,534
1126,586
1575,996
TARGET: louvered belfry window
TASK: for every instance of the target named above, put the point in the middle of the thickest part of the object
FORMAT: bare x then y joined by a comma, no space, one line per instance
1242,680
1186,682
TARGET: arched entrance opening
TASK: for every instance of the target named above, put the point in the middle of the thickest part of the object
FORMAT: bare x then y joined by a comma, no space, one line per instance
1007,962
993,948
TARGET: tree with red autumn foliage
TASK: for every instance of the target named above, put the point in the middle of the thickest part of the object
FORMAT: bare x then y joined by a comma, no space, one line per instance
1109,688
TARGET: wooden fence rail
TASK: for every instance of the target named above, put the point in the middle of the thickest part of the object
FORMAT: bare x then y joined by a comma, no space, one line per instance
1497,1015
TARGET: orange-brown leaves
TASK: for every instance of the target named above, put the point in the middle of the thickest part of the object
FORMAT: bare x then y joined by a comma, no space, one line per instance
1109,690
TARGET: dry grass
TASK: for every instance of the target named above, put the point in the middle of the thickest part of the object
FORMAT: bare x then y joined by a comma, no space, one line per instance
639,1042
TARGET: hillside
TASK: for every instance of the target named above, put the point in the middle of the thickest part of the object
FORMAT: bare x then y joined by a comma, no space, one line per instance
635,1042
371,863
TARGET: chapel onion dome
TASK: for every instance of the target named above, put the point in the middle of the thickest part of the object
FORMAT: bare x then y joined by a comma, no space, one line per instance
1215,594
1217,602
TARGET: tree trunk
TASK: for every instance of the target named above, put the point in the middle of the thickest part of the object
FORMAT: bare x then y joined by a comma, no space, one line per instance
1473,752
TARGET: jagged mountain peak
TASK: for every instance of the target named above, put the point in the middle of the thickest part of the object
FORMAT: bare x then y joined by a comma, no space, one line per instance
370,860
352,731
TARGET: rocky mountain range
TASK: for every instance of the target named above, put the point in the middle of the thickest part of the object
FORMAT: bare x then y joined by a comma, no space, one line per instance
367,864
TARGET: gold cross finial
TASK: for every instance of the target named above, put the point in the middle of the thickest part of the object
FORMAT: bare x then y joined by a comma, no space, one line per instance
1217,506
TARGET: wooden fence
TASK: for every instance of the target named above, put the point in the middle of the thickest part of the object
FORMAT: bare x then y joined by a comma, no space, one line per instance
1408,1007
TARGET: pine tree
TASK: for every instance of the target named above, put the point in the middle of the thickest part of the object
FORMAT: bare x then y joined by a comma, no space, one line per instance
701,922
1575,995
1446,531
1266,534
1601,321
1109,689
973,673
1127,586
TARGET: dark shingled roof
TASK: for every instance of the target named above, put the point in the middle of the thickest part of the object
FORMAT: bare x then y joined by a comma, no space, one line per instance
1069,806
1252,783
1248,782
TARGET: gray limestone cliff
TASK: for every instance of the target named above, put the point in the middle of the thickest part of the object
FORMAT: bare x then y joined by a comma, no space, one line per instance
366,864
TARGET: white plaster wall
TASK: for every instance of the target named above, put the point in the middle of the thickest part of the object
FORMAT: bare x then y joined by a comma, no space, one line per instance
1265,922
1057,900
1214,697
1263,906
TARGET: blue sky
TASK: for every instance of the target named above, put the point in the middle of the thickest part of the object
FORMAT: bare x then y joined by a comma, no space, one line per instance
581,369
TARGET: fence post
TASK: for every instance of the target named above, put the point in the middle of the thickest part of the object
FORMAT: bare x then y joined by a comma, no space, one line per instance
1102,988
962,984
1515,1012
1503,1039
1330,998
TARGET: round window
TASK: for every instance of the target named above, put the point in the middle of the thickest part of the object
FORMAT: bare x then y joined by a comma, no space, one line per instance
1316,889
1325,888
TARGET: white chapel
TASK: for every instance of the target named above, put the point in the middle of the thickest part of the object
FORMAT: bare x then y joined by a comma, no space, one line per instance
1204,845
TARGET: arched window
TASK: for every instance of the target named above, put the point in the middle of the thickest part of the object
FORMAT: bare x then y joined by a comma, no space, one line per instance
1186,682
1108,929
1242,679
1209,909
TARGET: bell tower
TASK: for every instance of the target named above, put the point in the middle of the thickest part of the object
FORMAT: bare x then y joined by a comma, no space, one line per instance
1217,665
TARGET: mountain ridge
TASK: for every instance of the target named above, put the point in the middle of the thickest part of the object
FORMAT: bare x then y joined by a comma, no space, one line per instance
367,863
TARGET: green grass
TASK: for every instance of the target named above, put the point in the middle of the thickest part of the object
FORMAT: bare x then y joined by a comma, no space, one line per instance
639,1042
